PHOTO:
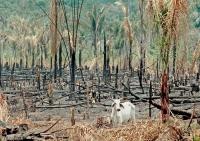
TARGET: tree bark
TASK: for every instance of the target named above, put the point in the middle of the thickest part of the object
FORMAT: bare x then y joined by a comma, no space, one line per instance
20,63
174,57
116,77
142,38
51,64
26,66
60,60
72,69
140,74
80,58
104,60
95,50
130,58
41,59
55,67
150,98
164,97
33,60
108,64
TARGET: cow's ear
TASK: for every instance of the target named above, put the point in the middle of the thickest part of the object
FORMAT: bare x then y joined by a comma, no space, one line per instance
113,104
121,105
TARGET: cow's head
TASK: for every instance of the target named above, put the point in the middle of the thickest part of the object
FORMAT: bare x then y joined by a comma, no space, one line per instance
117,104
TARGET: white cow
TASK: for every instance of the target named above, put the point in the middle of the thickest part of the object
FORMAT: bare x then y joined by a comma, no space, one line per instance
122,112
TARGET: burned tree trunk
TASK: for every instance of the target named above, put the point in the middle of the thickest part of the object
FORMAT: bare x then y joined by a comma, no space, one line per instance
76,9
95,50
54,33
26,65
13,69
55,67
130,58
174,58
164,97
38,77
104,58
33,60
198,73
72,69
60,60
142,39
150,98
116,77
108,76
140,74
41,59
51,64
20,64
80,58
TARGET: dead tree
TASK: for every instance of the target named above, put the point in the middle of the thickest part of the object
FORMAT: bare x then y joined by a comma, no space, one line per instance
116,77
55,67
106,64
104,58
80,58
33,60
150,98
41,58
72,34
60,60
54,33
142,38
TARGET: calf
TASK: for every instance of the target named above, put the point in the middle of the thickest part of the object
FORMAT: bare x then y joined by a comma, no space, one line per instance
122,112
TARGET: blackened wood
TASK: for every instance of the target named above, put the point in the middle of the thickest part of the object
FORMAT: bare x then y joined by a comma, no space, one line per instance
73,69
55,67
60,60
116,77
104,58
150,98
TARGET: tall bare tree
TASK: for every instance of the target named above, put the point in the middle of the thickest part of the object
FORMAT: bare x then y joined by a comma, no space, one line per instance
72,33
54,33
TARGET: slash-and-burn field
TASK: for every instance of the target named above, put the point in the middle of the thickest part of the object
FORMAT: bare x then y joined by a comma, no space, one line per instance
49,112
100,70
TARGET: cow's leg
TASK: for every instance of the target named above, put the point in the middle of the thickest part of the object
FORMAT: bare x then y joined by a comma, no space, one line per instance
120,120
133,114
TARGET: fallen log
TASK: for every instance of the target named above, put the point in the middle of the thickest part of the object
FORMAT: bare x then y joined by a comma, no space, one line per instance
70,105
177,101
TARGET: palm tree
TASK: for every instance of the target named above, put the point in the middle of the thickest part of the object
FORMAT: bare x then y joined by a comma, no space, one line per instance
166,15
